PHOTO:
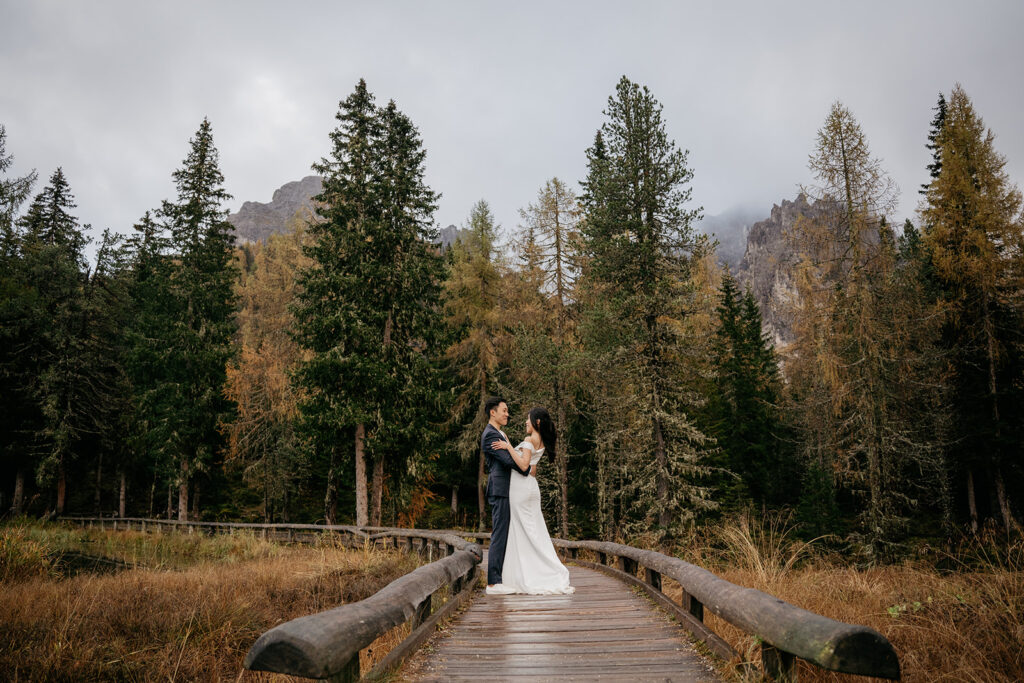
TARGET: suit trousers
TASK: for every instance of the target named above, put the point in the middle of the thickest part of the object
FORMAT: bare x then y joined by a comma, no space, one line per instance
500,514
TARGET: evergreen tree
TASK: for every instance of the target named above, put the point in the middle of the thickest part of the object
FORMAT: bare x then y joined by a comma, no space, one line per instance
747,425
369,302
262,439
201,288
545,351
13,193
149,356
14,333
862,361
973,243
935,168
638,242
65,326
472,303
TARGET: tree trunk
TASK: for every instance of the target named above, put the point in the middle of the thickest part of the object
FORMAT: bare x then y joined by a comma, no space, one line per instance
170,500
19,492
455,503
183,492
1004,500
972,506
62,489
97,499
266,492
195,501
665,516
122,495
562,461
378,491
362,518
331,495
480,484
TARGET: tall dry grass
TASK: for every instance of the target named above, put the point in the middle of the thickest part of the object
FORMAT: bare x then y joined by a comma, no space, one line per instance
964,624
195,622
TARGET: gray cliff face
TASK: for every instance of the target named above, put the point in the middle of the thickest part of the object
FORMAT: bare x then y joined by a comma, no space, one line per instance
446,236
256,221
767,265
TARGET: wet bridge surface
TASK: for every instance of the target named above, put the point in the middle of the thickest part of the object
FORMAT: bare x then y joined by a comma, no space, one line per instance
603,632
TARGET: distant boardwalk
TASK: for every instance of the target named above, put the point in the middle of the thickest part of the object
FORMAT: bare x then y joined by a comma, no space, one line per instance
603,632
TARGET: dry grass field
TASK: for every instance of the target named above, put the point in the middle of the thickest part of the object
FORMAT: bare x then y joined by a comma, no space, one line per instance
188,612
965,623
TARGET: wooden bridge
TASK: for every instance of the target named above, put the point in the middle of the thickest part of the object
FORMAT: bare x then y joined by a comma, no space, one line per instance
608,630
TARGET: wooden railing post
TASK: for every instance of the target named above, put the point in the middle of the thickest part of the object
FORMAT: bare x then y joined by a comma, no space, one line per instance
653,578
693,606
627,565
602,558
422,612
778,665
349,674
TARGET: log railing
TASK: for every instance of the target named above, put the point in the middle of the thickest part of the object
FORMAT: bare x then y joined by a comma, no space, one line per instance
327,644
786,632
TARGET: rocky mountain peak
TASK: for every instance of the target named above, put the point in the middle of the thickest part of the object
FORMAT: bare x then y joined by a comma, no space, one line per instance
256,221
767,264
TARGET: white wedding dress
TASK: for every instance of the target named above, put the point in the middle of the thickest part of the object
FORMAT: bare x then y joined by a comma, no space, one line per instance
531,565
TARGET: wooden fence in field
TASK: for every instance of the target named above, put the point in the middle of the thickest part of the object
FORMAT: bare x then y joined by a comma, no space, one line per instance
327,645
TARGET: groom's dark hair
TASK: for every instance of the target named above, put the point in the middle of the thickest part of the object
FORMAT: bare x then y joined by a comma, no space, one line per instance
492,403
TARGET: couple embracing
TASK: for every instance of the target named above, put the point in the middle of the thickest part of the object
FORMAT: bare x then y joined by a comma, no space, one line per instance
521,558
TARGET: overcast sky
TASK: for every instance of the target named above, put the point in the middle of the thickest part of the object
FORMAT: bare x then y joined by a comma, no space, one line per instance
505,95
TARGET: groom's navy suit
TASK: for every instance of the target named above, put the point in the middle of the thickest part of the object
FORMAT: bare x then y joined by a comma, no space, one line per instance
500,465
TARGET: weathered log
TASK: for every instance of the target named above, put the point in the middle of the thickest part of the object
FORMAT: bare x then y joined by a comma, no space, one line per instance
828,643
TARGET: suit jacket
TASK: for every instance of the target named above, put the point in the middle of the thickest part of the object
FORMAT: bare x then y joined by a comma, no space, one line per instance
499,463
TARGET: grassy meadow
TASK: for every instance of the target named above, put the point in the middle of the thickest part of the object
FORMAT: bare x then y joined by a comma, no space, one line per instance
951,615
166,607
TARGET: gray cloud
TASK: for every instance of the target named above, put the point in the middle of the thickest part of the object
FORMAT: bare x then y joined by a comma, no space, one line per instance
505,96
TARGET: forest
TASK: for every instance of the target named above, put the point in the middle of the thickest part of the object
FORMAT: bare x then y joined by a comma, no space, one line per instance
336,372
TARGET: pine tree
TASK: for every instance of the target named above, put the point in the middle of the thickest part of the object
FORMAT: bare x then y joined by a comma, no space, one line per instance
545,363
13,193
327,322
148,356
861,365
14,401
935,168
973,243
745,406
201,284
67,370
370,300
638,242
262,439
472,303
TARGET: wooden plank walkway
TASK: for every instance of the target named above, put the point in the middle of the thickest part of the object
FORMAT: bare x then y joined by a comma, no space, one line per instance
603,632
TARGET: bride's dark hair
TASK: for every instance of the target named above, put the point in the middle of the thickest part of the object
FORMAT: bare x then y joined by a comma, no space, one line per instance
541,421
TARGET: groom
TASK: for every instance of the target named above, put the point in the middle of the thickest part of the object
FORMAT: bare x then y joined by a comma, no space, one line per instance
500,465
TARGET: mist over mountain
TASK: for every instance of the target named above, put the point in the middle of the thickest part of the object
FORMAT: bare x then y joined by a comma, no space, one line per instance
730,228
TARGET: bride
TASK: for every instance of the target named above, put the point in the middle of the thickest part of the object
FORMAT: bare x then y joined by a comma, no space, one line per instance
531,565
